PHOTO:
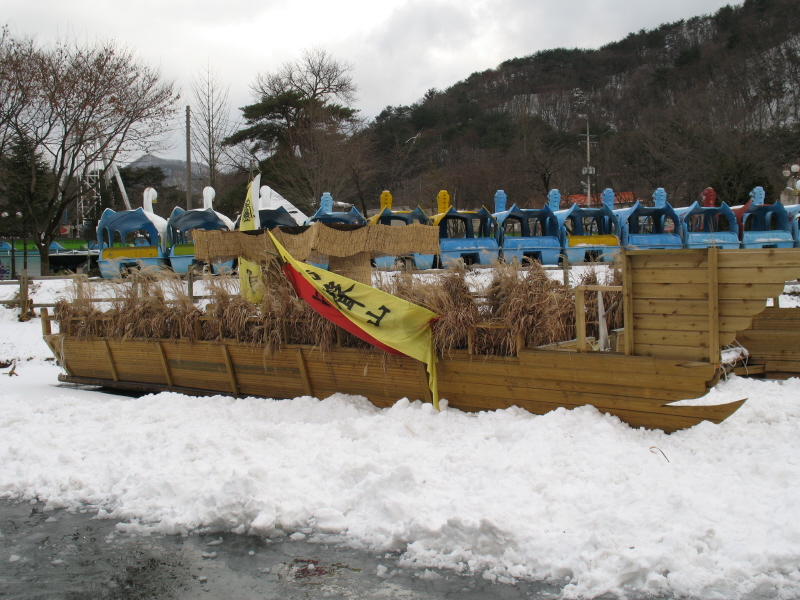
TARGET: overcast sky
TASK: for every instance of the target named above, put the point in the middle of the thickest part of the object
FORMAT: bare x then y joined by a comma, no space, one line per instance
398,48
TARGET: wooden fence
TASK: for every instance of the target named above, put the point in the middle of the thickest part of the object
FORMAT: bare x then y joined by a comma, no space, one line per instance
689,303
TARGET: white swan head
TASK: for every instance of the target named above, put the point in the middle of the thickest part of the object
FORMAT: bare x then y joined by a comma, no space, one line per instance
208,197
150,195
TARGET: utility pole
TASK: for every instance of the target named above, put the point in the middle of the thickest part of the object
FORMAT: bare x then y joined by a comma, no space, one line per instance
188,160
588,170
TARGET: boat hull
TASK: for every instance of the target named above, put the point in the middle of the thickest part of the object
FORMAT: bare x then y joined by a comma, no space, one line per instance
636,389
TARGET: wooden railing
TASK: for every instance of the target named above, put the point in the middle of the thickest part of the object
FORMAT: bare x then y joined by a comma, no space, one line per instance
580,310
27,306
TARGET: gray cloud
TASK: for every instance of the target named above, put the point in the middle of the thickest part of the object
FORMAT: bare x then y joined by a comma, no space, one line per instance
424,45
399,49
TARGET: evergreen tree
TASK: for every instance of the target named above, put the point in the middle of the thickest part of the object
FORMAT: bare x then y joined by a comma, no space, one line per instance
26,180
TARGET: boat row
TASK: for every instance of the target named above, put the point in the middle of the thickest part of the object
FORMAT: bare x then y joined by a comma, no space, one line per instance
549,235
680,309
582,234
132,239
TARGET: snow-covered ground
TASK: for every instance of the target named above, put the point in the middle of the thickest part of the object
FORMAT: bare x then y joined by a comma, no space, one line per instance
573,496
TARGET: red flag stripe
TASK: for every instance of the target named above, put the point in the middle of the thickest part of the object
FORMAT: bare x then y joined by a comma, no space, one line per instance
327,309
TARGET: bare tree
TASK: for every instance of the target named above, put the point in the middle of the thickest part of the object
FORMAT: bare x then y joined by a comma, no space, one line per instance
300,125
16,82
79,105
335,159
210,119
316,75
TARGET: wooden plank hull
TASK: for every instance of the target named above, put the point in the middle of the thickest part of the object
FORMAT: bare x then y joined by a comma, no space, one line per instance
637,389
773,340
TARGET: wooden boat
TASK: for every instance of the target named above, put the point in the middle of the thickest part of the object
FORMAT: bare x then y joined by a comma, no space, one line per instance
680,308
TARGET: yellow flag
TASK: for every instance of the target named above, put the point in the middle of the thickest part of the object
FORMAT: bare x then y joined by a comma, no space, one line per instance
388,322
249,272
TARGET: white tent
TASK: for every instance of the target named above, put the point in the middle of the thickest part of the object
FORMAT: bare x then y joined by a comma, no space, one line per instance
270,199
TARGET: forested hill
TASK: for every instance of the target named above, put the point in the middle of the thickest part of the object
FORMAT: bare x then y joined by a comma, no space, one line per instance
666,56
710,101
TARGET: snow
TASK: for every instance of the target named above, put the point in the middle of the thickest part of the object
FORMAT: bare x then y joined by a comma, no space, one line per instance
575,497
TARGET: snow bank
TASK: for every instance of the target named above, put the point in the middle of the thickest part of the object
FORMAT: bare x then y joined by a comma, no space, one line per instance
572,496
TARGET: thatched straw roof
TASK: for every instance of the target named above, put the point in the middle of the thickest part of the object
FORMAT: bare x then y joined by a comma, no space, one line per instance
320,239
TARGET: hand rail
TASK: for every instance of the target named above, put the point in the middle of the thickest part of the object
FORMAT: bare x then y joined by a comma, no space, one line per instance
580,310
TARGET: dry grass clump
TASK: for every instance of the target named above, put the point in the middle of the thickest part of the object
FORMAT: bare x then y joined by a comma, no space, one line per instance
228,315
142,307
522,302
526,302
449,296
76,314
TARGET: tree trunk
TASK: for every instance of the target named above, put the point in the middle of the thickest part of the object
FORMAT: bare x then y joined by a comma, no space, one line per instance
44,257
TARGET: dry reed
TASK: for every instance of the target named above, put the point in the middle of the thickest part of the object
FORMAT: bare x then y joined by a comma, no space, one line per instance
156,305
528,302
449,296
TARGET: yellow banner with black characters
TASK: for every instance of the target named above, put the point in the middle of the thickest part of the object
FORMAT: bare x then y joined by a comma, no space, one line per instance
385,321
250,272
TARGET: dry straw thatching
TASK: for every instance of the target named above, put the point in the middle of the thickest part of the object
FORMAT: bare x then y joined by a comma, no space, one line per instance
348,249
156,305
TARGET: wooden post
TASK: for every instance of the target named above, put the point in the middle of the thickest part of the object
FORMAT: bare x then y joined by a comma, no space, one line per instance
301,364
713,305
627,301
189,158
46,328
24,309
601,320
231,373
190,284
565,268
580,318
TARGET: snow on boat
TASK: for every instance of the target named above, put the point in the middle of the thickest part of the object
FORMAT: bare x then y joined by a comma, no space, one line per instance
131,239
274,208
